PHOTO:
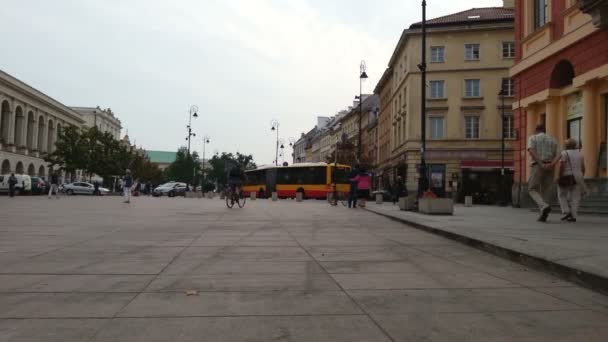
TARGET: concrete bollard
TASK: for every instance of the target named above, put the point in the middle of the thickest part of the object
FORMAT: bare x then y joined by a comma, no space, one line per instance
253,195
275,196
468,201
379,198
222,195
361,202
299,197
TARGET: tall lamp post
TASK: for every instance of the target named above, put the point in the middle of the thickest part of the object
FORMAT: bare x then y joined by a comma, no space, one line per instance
502,189
423,181
362,77
274,126
292,144
192,113
282,147
206,140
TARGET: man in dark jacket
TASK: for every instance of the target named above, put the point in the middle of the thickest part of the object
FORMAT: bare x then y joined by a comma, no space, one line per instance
12,182
54,185
128,183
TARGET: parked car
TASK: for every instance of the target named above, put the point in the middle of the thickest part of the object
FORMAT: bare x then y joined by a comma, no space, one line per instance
170,189
23,186
82,188
39,186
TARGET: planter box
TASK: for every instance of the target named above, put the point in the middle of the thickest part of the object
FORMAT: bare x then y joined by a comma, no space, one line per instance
468,201
299,197
253,195
436,206
275,196
407,203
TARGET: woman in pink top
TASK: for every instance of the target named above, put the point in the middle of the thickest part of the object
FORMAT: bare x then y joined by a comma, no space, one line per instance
364,181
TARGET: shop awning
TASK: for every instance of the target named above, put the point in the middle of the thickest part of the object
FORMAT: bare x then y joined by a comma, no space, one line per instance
485,164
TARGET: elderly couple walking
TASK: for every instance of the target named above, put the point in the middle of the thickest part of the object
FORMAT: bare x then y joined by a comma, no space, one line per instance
546,158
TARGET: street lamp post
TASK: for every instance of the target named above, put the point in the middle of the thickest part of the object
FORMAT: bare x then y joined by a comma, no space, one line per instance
362,77
192,113
503,196
275,127
282,147
292,144
423,182
206,140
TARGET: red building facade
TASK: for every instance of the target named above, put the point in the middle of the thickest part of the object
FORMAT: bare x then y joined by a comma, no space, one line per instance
561,80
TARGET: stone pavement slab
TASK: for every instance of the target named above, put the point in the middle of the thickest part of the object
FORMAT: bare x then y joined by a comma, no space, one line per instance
95,269
575,251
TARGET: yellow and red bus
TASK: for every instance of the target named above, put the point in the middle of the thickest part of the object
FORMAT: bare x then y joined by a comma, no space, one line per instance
314,180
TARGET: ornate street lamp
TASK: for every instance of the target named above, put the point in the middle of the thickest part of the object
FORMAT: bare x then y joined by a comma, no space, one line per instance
423,181
192,113
362,77
274,126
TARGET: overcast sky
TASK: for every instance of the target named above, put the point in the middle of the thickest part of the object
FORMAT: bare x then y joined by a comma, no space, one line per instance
242,62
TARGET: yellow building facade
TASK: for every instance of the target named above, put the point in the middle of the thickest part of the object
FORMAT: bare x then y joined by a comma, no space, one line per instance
468,59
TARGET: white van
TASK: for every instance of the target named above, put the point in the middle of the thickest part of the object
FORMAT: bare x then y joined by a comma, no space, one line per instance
24,184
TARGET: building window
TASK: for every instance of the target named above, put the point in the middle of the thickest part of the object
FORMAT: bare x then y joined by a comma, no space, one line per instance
471,124
509,126
471,88
508,50
541,11
508,86
437,89
471,52
437,54
436,125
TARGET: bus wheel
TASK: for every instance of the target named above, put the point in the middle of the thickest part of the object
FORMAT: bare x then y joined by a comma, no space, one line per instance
302,191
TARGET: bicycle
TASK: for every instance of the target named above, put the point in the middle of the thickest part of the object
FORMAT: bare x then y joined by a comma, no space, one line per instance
233,196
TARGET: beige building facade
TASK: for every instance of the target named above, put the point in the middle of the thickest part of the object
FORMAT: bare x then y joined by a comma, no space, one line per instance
29,123
469,56
103,119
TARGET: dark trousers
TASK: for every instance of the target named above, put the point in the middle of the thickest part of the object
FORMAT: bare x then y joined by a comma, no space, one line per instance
11,191
352,198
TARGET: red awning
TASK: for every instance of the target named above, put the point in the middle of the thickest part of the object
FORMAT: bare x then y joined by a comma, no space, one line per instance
485,164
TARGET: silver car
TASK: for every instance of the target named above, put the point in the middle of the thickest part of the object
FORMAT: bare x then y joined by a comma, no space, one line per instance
82,188
170,189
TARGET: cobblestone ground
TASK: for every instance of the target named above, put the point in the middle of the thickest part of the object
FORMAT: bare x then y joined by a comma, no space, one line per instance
94,269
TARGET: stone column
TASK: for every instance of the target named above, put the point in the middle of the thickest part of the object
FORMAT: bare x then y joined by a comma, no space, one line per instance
24,123
11,125
45,134
531,122
35,134
553,116
589,137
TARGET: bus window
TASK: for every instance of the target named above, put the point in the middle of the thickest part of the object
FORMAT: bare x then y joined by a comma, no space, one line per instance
341,176
301,175
257,177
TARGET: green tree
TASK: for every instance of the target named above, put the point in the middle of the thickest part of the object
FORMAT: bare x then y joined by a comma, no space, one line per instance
185,167
71,151
220,164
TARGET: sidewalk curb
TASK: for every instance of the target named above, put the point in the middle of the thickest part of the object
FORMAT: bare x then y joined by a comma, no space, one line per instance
583,278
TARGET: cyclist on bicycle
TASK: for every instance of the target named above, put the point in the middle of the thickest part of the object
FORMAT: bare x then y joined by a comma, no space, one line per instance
235,178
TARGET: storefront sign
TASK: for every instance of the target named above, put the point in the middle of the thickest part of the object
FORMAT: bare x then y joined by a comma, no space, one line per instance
575,106
459,155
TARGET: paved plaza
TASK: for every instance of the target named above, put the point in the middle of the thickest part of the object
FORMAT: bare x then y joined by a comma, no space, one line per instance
94,269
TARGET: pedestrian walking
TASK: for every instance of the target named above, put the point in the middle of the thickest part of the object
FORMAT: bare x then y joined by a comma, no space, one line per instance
96,189
12,182
127,184
364,181
544,154
54,185
352,192
399,190
571,181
